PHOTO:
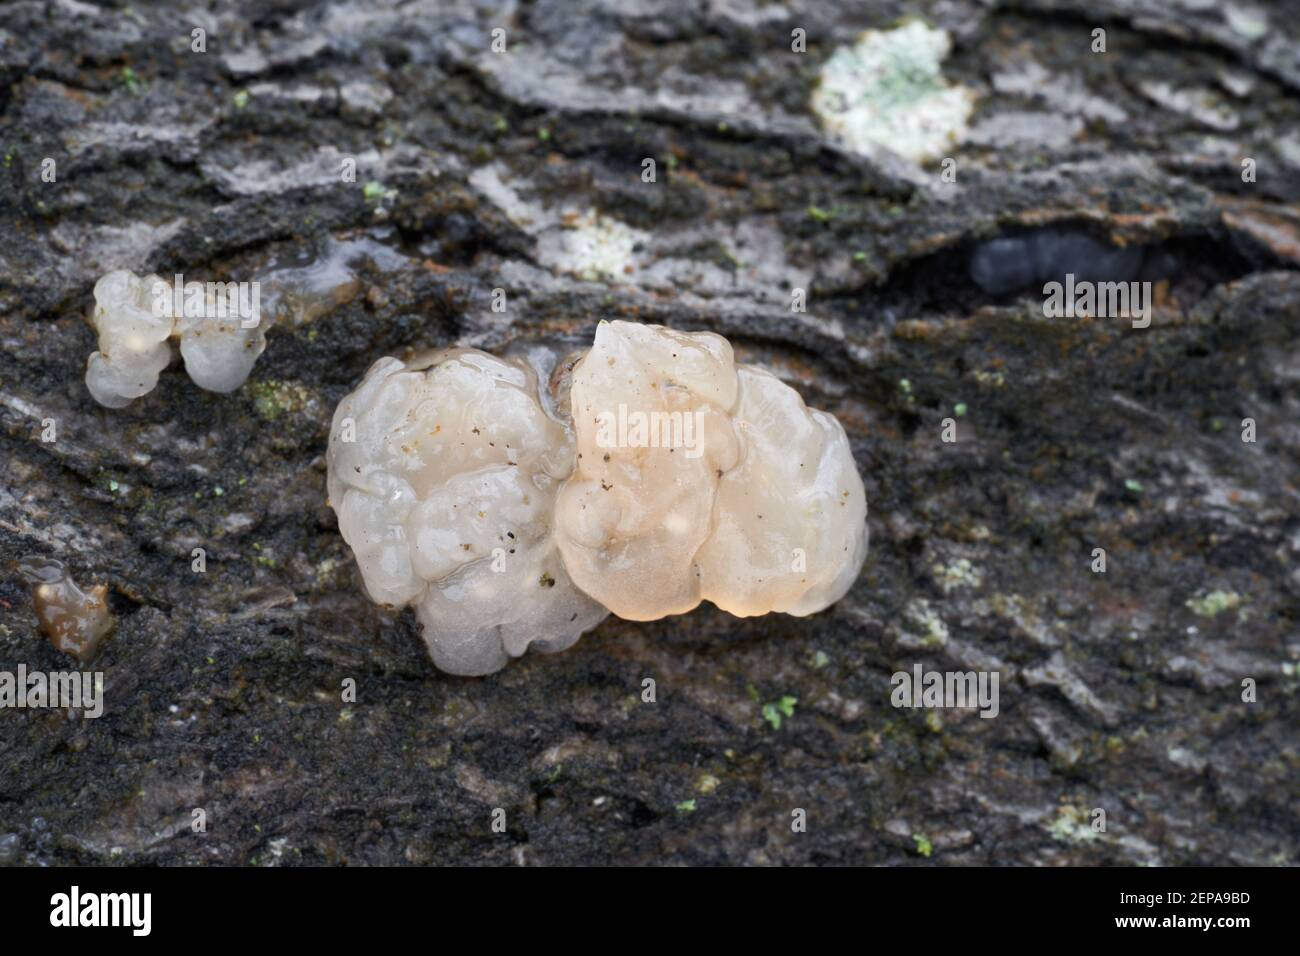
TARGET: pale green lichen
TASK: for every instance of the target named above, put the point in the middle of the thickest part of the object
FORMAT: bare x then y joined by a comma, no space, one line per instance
773,711
931,627
1072,825
959,574
1249,22
273,398
599,247
1022,613
707,783
887,90
1214,603
131,81
1292,674
375,191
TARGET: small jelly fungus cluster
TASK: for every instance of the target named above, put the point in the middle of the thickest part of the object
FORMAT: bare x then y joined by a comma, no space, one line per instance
443,471
75,621
768,514
653,473
221,335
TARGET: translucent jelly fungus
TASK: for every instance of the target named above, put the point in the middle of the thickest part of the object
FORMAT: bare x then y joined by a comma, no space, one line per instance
75,621
700,480
653,473
443,472
218,324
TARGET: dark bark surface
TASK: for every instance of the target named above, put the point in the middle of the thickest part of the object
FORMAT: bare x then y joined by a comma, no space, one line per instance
1120,691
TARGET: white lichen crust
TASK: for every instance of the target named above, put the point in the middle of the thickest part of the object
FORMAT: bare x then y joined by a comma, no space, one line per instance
135,319
887,90
443,473
765,511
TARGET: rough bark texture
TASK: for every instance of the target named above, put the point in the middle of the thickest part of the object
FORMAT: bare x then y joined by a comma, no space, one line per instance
1120,691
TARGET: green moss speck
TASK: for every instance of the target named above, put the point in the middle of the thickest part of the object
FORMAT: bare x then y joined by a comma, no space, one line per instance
1214,603
774,710
273,398
131,81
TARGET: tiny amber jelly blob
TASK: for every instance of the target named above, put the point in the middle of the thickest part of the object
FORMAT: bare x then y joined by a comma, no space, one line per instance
75,621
